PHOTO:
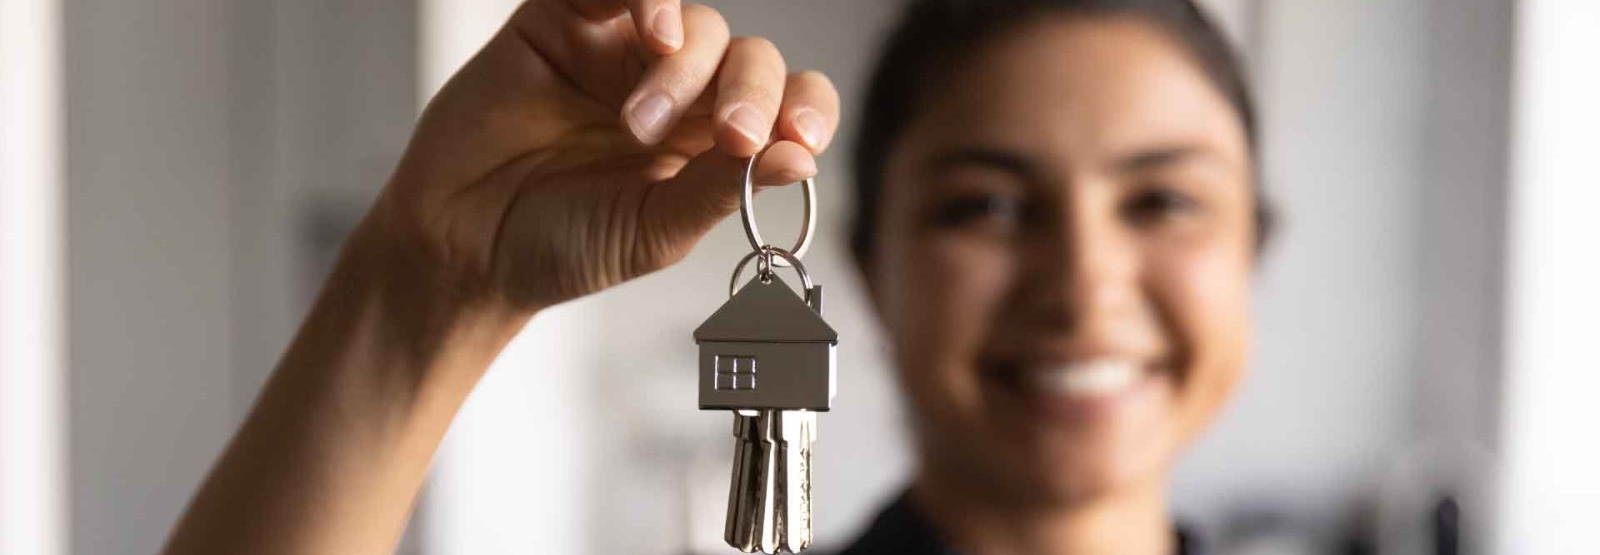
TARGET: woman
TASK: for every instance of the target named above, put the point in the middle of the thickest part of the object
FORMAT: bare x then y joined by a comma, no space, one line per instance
1057,222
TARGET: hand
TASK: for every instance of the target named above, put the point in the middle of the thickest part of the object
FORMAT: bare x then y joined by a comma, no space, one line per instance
591,142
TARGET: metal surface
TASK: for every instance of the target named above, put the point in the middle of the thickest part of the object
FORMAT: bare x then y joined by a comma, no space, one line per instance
767,349
747,214
769,497
747,491
763,271
789,376
767,312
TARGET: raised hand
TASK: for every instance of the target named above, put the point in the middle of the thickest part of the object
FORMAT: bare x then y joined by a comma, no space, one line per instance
593,141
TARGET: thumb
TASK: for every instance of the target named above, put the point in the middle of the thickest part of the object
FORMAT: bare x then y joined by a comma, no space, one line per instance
707,189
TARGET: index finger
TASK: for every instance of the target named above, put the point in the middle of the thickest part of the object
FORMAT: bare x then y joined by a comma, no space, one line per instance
659,22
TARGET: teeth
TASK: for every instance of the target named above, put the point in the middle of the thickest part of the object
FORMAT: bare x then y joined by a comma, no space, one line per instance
1087,379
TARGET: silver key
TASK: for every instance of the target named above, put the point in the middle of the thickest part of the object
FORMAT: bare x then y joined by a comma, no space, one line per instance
769,498
747,490
768,355
799,430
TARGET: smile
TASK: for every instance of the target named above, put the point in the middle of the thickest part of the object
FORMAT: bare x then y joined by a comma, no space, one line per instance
1081,390
1104,377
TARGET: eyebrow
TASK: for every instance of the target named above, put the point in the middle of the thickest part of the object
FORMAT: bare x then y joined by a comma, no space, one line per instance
987,157
1030,168
1157,157
1034,170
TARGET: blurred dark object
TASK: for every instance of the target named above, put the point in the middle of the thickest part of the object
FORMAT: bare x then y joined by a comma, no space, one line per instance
1447,526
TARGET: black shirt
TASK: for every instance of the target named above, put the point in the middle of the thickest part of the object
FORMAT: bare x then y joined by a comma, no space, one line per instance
901,529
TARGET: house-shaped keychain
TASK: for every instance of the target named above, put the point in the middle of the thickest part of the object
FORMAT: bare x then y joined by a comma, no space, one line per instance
767,348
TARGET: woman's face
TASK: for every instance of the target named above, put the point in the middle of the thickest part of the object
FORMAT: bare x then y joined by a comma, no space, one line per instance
1063,260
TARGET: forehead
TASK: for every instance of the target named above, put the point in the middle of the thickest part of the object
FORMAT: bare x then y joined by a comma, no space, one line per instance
1079,88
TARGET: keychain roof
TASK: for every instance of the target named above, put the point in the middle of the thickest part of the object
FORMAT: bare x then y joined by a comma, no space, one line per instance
766,311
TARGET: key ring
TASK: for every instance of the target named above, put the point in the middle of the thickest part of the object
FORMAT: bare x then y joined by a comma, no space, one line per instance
747,210
768,252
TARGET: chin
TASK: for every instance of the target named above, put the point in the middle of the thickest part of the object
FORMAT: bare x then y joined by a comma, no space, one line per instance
1108,430
1095,472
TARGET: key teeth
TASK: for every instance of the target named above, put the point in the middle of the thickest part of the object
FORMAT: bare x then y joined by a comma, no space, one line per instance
767,446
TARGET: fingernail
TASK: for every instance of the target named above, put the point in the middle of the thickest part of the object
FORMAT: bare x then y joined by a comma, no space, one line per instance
811,126
668,27
649,117
748,122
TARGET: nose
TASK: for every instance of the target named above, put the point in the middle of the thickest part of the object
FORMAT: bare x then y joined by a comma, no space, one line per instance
1082,272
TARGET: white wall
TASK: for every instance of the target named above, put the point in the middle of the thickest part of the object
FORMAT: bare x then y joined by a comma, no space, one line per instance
1341,88
207,142
149,252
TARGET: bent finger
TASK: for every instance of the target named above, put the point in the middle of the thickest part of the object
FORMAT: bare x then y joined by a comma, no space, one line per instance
750,88
659,22
669,87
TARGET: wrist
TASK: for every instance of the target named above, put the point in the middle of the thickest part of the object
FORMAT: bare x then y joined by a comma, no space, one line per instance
390,305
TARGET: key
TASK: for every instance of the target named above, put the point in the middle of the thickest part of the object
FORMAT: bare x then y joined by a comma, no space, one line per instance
746,490
794,479
769,497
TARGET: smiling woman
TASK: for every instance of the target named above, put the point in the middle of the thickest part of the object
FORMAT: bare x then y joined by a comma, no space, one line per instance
1057,218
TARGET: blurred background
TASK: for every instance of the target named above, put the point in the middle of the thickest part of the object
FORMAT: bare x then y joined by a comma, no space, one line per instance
177,175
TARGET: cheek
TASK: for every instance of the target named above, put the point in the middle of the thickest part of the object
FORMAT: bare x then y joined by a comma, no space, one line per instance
1204,294
940,298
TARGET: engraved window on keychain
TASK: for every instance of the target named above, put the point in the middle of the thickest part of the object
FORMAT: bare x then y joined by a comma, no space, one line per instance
735,372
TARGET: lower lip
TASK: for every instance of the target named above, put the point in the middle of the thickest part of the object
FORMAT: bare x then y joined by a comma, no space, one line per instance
1078,409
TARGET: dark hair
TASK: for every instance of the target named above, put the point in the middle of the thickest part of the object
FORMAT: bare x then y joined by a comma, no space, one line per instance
934,35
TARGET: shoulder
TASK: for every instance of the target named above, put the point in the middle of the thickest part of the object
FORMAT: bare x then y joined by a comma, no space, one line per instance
899,529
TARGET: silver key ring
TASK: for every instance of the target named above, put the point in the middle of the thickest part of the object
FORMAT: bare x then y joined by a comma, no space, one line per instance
805,278
747,210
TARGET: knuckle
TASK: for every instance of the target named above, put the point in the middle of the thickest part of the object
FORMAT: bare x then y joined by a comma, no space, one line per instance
679,83
813,87
813,78
756,92
808,75
649,7
755,46
706,18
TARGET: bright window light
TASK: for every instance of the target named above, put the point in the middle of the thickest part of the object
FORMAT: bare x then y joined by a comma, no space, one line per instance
32,464
1551,491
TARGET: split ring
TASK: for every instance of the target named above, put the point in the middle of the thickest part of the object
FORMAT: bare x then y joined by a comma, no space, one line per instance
748,213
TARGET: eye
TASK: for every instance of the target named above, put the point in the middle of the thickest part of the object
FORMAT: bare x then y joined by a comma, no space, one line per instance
979,209
1156,204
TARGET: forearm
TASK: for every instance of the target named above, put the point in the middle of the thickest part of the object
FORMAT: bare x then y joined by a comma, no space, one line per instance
332,456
